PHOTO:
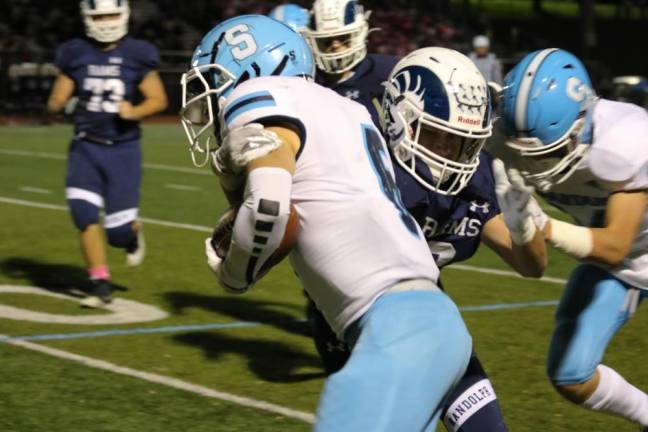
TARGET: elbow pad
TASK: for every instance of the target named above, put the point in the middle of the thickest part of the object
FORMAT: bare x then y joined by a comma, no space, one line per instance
260,225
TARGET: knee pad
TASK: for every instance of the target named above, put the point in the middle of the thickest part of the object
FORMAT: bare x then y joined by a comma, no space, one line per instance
472,406
83,213
121,236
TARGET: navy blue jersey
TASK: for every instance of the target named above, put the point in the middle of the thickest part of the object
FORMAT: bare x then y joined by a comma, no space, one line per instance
452,225
365,86
102,79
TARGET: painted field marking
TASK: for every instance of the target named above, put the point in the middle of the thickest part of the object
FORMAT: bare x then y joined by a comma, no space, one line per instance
35,190
122,311
59,156
164,380
202,228
509,273
182,187
233,325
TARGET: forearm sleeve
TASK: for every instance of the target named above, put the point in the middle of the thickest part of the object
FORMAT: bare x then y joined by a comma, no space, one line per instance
259,227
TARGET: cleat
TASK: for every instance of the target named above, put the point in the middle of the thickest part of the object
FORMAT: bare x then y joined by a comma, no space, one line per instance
135,253
100,294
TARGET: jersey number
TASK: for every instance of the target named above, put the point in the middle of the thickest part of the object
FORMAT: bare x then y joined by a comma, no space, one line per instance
443,252
242,42
377,156
106,94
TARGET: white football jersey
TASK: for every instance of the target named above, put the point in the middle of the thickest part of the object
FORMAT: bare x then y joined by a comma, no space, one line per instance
355,239
616,161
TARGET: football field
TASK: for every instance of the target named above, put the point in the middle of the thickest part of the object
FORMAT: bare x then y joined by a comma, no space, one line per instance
175,353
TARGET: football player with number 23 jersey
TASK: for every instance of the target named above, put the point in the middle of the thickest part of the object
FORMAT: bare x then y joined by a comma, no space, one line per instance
102,79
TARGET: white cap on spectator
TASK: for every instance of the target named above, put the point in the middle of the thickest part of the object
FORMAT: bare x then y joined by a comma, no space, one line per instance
481,41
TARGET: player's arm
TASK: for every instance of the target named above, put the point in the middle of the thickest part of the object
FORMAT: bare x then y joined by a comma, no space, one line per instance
528,259
610,244
62,90
263,215
154,99
516,233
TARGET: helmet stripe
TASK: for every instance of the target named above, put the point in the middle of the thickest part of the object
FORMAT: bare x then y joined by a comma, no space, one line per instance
522,98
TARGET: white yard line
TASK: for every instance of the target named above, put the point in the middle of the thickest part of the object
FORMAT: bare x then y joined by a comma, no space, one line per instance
35,190
202,228
498,272
58,156
166,381
182,187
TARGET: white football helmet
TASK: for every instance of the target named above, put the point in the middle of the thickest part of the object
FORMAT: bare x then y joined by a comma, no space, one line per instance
105,31
439,92
341,20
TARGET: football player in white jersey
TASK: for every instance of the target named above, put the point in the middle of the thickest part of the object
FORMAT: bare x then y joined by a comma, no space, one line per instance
361,257
589,157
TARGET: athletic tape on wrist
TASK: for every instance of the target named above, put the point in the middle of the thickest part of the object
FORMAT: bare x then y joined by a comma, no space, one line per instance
573,239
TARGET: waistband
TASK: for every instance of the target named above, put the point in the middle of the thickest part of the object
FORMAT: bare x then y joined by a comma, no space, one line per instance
413,285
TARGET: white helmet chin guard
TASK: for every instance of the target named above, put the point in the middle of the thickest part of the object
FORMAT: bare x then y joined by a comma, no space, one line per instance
105,31
341,20
437,89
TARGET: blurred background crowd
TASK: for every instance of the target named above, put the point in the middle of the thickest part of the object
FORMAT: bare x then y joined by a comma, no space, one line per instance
31,30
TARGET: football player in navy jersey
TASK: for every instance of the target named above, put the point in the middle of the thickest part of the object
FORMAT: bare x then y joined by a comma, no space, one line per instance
109,82
337,35
437,117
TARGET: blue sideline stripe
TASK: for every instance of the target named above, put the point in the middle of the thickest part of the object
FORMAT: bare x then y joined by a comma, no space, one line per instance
508,306
134,331
238,324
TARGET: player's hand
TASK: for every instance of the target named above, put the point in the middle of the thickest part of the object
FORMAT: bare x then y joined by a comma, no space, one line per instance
127,111
215,263
70,106
241,146
515,199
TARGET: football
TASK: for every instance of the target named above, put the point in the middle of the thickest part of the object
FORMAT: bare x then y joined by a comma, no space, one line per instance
222,237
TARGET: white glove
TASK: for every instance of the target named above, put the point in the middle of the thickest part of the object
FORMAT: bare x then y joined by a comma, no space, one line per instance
215,263
241,146
70,106
516,203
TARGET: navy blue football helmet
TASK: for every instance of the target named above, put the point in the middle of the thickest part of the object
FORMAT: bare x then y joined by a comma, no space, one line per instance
434,98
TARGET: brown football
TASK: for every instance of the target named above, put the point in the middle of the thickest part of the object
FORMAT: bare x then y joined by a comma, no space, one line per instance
222,237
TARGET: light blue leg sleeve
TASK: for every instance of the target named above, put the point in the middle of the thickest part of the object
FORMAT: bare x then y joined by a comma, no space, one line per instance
412,347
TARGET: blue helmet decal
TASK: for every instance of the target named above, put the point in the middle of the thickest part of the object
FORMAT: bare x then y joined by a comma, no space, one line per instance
251,46
294,16
350,11
545,94
428,89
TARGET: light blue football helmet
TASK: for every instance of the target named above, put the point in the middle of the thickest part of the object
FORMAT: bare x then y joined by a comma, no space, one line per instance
233,52
294,16
547,103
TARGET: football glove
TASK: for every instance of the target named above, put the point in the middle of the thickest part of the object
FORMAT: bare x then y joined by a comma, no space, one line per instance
520,210
241,146
215,263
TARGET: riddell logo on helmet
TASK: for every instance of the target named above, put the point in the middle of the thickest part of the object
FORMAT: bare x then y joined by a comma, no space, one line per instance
469,120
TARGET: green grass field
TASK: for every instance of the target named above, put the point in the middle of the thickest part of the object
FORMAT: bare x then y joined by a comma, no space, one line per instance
254,346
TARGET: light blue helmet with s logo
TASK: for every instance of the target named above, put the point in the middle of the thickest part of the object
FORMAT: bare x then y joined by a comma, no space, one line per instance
294,16
233,52
547,104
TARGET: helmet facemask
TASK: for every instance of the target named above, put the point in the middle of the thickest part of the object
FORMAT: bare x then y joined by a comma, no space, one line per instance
345,23
201,105
546,165
106,30
440,157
